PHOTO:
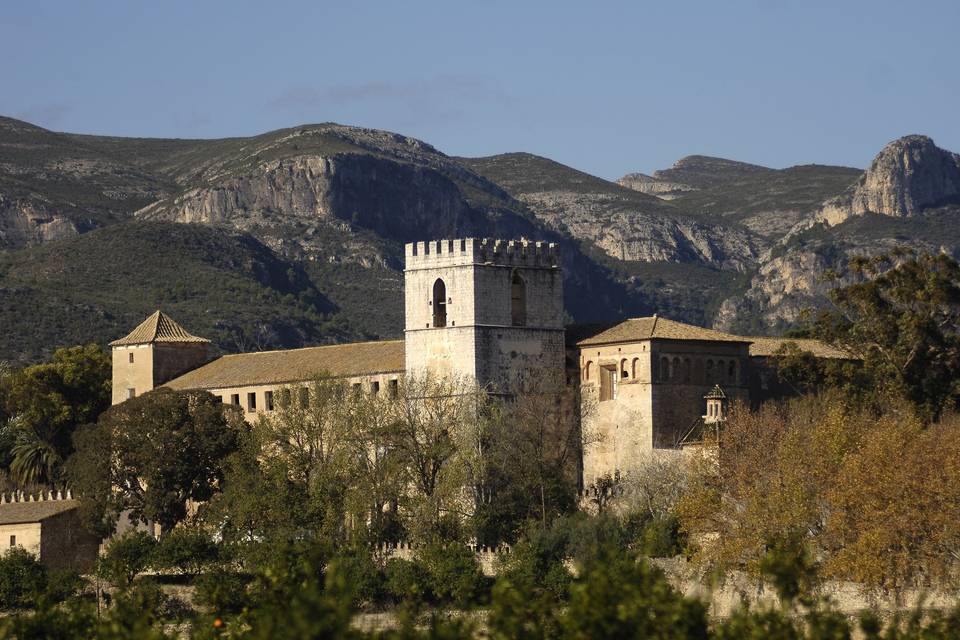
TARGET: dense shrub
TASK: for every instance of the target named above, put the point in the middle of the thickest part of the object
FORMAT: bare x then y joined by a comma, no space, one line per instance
406,581
222,591
22,579
185,550
453,574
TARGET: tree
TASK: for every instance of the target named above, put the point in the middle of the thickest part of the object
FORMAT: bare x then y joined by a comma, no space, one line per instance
902,320
45,403
427,417
542,444
126,557
289,478
151,455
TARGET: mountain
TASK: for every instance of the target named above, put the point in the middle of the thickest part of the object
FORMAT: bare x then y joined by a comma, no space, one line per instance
908,198
295,236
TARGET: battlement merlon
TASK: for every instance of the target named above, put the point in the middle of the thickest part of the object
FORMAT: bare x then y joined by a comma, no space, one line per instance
482,251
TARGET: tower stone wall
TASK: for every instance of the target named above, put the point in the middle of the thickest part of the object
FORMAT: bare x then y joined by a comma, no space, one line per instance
501,321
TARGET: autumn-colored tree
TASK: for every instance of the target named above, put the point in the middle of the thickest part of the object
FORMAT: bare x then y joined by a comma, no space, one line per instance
873,497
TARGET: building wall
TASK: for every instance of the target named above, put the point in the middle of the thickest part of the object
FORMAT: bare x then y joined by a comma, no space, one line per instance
617,431
653,404
678,395
481,339
153,365
136,375
65,544
28,537
367,384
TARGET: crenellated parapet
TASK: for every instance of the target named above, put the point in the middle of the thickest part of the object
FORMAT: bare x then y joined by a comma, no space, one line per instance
484,251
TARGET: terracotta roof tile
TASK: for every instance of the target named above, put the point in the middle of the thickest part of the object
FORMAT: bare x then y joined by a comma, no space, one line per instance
761,346
23,512
654,327
295,365
159,327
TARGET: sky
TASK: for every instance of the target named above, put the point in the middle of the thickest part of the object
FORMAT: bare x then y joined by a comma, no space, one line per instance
606,87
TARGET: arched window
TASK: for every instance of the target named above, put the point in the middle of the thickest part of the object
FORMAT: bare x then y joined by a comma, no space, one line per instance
709,371
633,368
664,368
676,369
720,370
686,370
439,304
623,368
586,371
518,301
732,371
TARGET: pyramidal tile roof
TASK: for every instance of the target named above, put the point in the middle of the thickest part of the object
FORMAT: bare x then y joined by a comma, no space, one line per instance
159,327
654,327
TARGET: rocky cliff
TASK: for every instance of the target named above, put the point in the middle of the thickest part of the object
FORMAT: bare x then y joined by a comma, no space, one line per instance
328,207
909,197
909,175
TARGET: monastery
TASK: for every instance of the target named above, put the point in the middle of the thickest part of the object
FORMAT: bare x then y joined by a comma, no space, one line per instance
492,311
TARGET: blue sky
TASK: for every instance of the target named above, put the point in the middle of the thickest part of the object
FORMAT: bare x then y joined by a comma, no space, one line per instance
607,87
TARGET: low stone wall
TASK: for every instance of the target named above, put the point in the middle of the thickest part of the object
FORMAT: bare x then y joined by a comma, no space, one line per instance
849,598
486,556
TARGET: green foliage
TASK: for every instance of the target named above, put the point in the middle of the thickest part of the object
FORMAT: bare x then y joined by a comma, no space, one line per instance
789,567
621,597
125,461
901,318
46,403
224,286
22,579
406,581
188,550
126,557
452,573
359,569
222,591
661,537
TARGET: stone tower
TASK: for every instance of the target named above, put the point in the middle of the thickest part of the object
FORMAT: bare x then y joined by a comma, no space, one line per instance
157,351
485,310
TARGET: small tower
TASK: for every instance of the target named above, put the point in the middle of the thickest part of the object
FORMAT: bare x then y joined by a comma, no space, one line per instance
156,351
485,310
716,405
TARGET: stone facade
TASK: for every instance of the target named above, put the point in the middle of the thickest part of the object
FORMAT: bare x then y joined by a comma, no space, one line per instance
644,395
48,526
491,311
485,310
142,367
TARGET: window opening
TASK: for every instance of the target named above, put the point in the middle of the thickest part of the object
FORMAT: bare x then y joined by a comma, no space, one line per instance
439,304
518,301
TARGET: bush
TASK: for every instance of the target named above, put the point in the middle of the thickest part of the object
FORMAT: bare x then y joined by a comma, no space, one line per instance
222,591
362,574
453,574
621,597
406,581
22,579
126,557
661,538
185,550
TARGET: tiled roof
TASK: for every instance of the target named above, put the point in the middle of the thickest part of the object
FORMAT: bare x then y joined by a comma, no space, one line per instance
766,347
159,327
23,512
295,365
654,327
